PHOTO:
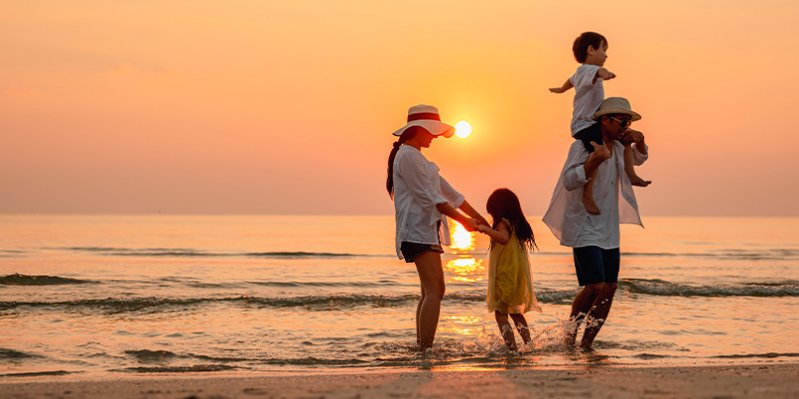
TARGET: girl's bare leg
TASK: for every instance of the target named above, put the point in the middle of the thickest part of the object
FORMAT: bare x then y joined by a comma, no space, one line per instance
506,330
521,327
629,168
431,275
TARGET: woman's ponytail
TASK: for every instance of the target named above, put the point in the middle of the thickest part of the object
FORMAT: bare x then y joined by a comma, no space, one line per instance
406,135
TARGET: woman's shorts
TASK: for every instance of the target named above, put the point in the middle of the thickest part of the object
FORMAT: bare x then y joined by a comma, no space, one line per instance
596,265
411,250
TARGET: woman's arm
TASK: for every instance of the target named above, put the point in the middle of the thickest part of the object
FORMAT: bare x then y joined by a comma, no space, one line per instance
500,235
467,222
469,210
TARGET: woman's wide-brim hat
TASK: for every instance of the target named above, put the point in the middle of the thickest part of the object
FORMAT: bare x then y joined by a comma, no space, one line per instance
427,117
616,105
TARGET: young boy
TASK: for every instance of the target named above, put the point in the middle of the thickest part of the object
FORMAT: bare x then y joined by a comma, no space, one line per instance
590,50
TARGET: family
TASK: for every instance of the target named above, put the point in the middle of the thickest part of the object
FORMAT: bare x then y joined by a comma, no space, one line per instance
592,197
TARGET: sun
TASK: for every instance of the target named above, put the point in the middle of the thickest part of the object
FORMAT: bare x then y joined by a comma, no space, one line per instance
463,129
461,238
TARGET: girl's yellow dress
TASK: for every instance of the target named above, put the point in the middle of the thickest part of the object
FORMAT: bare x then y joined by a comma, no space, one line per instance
510,284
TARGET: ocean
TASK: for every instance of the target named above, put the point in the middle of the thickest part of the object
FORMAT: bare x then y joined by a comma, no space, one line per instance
120,295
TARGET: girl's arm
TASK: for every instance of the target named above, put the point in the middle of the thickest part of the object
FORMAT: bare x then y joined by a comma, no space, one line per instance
500,235
566,86
467,208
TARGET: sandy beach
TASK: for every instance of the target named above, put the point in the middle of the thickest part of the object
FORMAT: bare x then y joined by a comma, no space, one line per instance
751,381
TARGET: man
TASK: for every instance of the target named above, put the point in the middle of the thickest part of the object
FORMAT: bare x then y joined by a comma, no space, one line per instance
594,239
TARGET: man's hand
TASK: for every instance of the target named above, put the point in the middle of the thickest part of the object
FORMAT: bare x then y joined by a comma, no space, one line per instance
557,90
605,74
601,151
632,136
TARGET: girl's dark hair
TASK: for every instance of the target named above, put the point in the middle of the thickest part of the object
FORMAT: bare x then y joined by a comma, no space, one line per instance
406,135
503,203
581,43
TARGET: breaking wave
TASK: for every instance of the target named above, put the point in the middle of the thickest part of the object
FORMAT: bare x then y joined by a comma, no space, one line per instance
183,252
755,289
22,279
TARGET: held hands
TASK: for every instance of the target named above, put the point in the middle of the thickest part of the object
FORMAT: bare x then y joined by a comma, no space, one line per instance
470,224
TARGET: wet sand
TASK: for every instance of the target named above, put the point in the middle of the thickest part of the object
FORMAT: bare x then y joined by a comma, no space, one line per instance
752,381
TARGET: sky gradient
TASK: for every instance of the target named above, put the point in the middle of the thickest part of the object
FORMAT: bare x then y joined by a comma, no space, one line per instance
287,107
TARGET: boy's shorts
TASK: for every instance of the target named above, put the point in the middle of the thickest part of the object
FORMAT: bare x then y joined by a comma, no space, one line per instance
411,250
596,265
589,134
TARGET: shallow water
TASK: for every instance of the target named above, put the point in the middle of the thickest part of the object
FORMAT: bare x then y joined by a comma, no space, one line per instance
100,295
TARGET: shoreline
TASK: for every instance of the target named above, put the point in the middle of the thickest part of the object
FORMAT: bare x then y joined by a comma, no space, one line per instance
733,381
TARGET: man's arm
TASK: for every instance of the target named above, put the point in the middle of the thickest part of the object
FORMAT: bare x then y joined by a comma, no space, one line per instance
600,154
580,165
640,149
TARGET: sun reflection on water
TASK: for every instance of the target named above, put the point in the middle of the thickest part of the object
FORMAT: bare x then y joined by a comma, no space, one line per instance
464,325
467,270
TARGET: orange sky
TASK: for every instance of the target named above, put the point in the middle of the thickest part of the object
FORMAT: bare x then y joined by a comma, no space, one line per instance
287,107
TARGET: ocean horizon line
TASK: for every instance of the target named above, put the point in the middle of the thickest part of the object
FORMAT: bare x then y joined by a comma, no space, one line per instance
224,214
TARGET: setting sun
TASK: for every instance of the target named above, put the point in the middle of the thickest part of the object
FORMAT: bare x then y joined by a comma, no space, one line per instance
461,238
463,129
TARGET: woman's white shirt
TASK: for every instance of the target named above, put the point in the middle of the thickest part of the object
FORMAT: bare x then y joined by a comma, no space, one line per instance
418,188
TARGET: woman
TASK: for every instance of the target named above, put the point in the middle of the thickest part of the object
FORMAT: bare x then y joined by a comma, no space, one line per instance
421,198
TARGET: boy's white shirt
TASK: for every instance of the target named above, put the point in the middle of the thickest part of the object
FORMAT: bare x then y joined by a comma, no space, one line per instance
588,96
417,189
571,224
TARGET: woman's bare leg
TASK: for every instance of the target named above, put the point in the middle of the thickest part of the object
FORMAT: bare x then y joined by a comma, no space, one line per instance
431,275
418,311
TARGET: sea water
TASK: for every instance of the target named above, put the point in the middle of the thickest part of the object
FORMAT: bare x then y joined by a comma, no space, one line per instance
113,295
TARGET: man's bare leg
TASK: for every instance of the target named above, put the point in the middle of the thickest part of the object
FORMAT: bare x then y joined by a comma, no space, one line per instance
598,314
580,308
629,168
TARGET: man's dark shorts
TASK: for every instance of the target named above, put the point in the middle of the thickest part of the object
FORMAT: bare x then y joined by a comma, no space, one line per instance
411,250
596,265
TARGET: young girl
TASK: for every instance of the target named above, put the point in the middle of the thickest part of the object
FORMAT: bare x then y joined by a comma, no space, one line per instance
510,285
